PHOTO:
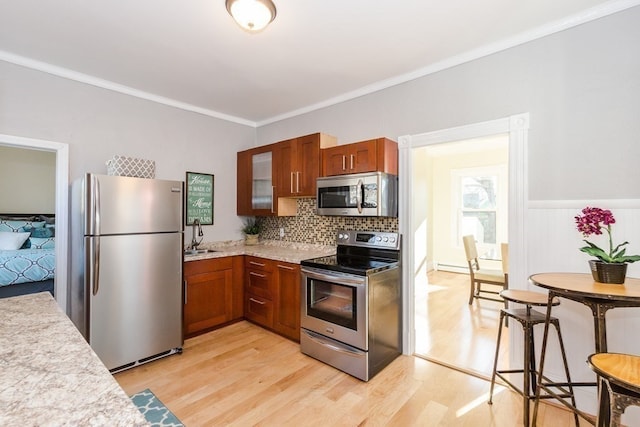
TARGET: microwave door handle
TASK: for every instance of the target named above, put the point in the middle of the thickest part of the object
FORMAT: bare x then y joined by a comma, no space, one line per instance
360,195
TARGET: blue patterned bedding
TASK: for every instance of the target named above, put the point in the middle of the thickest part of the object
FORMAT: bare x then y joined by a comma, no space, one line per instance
26,265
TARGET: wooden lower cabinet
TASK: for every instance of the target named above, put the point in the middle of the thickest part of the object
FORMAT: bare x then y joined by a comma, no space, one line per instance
272,295
222,290
259,290
213,293
286,319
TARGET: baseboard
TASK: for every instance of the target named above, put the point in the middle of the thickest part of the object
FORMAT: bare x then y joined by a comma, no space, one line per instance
451,268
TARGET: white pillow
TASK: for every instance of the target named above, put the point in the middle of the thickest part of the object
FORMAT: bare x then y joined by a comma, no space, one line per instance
12,241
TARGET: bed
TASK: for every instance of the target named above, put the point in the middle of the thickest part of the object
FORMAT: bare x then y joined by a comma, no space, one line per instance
27,254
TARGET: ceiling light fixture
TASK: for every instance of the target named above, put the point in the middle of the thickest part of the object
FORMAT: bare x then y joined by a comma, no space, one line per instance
252,15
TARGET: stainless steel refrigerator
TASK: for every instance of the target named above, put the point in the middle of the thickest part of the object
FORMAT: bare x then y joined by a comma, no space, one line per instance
126,267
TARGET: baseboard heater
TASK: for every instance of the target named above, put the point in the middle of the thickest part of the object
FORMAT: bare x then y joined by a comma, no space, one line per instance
452,268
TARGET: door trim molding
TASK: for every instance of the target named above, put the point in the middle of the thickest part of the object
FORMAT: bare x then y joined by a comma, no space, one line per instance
517,127
62,211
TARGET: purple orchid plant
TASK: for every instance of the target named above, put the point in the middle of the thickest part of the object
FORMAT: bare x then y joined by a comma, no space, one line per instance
593,221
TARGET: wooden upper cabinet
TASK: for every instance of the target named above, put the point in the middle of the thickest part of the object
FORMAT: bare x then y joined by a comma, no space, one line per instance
376,155
286,168
243,197
272,176
299,164
256,181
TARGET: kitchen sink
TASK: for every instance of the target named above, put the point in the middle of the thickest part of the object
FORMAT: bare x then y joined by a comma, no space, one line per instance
197,251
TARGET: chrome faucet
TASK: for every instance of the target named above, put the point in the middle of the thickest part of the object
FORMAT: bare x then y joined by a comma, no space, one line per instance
194,241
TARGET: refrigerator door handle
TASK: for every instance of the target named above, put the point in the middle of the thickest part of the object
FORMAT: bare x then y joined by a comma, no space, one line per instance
95,265
92,216
97,205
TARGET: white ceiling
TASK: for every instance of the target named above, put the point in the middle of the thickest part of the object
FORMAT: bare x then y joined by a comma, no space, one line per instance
317,52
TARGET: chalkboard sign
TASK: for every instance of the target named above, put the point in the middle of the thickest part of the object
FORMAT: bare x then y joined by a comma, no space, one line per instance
199,198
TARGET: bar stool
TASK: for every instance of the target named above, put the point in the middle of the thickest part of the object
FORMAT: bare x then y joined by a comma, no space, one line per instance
619,385
528,318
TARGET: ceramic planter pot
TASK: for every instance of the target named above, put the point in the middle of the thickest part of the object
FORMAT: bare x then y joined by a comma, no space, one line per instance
251,239
605,272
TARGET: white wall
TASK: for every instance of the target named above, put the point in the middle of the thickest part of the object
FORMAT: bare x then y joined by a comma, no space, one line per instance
98,123
27,181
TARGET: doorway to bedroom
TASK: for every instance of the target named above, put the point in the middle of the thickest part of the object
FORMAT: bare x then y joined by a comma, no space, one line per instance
27,221
60,182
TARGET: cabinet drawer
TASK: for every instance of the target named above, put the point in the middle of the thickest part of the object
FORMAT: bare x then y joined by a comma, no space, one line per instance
207,265
259,282
259,310
256,263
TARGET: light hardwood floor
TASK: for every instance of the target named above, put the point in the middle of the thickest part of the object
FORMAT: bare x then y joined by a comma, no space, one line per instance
451,331
243,375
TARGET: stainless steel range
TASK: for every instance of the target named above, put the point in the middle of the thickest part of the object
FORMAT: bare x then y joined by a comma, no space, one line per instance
352,304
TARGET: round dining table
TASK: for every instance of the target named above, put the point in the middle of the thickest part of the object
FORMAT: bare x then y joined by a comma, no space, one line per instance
600,298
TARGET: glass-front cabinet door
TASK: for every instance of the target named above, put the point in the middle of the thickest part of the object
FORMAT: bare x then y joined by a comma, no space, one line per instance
256,191
262,181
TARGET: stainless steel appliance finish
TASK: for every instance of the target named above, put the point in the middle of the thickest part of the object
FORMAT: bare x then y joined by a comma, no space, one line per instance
351,304
126,289
364,194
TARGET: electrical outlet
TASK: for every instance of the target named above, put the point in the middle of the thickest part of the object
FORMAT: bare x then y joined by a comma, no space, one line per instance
281,232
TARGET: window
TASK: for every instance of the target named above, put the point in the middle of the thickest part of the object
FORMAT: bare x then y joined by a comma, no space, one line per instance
478,207
477,203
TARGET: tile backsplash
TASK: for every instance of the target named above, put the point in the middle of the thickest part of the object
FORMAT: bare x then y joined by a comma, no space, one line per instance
308,227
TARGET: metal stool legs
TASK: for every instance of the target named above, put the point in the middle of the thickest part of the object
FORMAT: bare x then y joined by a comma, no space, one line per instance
528,319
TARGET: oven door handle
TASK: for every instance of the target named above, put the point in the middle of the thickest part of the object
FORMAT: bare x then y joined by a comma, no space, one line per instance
319,339
334,278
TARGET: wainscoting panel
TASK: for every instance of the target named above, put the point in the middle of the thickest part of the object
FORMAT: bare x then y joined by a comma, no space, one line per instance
553,246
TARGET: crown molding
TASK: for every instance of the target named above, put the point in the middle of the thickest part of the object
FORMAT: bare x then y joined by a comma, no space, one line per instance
588,15
525,37
109,85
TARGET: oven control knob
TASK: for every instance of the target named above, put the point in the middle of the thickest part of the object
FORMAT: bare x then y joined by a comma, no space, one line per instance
379,239
392,239
386,239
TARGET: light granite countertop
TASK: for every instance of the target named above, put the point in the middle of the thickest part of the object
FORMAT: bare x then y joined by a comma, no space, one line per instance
292,252
49,376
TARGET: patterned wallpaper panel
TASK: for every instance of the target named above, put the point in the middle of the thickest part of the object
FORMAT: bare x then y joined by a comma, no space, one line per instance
308,227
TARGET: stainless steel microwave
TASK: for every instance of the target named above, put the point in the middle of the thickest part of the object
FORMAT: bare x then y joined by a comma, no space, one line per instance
361,194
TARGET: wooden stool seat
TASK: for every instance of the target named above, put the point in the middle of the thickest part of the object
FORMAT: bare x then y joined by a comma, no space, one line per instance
619,376
527,297
528,318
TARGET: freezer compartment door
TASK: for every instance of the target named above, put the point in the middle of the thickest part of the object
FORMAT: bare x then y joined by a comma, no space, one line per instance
124,205
134,289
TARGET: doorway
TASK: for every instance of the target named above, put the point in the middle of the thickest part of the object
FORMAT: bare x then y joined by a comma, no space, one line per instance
414,210
61,209
467,184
